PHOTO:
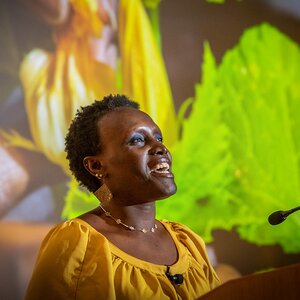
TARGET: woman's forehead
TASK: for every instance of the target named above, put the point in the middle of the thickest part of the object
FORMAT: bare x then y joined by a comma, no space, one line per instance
124,118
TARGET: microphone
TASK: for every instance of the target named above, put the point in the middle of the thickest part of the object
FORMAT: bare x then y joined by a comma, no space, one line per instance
175,279
279,216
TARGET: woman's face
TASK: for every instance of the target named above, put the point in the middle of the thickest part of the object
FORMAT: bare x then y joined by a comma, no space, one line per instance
135,163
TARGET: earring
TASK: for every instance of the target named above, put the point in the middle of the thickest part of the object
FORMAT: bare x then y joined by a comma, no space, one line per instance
103,193
99,176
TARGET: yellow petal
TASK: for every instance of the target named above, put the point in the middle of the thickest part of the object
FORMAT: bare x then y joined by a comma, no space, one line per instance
143,72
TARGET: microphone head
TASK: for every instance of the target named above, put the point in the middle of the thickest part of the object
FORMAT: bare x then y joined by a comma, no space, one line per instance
276,217
177,279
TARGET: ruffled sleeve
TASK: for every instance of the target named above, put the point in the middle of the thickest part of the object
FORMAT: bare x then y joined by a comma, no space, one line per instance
66,267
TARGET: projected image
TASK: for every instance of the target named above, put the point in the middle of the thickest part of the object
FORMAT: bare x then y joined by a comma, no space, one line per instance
234,140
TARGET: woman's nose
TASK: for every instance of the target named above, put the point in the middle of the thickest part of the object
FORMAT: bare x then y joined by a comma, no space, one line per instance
158,149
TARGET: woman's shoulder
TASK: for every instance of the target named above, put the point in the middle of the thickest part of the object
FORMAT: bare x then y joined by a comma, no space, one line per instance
183,229
69,235
187,237
76,226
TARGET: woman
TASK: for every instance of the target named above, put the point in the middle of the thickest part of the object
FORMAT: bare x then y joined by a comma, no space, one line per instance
119,250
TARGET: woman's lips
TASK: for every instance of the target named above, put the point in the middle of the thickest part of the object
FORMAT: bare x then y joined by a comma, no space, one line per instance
162,168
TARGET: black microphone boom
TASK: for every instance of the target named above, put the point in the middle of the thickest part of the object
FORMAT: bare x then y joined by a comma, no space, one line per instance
279,216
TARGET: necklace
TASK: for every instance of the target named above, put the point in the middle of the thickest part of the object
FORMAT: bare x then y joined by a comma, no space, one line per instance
119,222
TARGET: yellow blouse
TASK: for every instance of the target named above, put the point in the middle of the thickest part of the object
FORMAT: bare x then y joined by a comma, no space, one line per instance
77,262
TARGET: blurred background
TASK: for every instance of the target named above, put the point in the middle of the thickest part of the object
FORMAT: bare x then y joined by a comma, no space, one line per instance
221,79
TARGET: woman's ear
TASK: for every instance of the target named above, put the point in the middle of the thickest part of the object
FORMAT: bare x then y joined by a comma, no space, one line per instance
92,165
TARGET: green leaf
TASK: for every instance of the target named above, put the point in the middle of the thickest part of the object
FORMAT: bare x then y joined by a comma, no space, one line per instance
238,159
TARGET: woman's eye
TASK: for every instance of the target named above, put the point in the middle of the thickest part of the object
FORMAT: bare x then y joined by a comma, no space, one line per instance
159,138
136,139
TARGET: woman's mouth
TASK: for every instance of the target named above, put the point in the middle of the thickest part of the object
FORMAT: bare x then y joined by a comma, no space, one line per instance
161,168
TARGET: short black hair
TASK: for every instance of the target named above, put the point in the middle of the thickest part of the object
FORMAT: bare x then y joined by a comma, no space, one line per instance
83,138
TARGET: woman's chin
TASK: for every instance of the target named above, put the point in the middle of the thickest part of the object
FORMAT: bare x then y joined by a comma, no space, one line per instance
168,191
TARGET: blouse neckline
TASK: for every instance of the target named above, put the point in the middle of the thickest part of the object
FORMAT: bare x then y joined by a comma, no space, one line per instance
180,266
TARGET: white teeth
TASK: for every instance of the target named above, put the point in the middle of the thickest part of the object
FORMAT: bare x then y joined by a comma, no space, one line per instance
161,168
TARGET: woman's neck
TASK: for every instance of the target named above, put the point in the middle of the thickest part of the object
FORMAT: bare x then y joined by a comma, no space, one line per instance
138,216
